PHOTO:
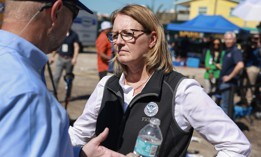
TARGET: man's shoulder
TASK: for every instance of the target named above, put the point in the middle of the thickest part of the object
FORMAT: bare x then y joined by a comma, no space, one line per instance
73,35
18,78
102,35
102,40
235,49
19,83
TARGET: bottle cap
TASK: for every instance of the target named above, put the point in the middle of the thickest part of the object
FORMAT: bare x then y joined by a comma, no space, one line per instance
155,121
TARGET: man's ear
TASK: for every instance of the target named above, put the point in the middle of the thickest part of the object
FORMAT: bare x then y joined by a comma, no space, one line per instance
57,6
153,39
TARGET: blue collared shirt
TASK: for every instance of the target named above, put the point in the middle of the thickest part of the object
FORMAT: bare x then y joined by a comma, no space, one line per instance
32,122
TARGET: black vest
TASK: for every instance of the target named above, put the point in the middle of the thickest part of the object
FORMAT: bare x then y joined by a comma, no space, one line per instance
124,127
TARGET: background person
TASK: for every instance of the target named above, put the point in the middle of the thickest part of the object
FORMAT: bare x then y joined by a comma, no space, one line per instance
111,61
67,56
252,61
104,49
143,74
231,67
213,62
32,122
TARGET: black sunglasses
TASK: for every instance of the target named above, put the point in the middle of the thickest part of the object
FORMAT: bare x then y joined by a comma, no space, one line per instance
71,6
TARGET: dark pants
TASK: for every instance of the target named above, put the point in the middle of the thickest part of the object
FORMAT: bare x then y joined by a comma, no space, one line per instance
225,96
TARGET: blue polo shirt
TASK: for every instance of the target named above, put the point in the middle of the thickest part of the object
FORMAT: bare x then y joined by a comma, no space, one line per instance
232,56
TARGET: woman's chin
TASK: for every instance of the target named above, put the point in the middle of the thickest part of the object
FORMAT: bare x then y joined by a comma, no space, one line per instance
123,60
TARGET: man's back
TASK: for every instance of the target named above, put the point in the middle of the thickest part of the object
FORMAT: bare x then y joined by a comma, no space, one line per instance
29,115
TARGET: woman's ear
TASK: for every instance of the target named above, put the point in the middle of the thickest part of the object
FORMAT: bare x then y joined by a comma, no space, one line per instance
153,39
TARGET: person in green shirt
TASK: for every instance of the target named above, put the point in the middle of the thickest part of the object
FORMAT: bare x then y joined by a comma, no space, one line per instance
213,62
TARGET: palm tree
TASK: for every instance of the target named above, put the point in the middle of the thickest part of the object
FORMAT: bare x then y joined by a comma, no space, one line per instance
158,11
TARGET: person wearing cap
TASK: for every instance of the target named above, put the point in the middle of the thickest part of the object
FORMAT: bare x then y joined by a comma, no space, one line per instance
104,49
32,122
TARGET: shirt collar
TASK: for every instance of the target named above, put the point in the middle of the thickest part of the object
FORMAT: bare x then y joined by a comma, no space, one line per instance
153,85
26,49
122,78
124,87
231,48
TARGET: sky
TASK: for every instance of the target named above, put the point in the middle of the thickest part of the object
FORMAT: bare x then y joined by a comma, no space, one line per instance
108,6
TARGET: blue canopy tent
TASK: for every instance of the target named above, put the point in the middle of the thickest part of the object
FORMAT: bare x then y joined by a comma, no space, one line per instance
205,24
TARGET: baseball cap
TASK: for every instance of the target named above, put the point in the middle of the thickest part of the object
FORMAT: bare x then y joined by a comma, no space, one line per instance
105,25
81,4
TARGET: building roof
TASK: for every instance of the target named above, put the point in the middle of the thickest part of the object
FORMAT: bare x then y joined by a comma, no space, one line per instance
187,2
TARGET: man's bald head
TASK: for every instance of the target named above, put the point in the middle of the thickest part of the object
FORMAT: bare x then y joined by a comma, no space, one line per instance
21,10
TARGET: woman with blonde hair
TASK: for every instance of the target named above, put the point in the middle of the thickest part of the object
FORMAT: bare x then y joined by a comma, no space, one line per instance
145,86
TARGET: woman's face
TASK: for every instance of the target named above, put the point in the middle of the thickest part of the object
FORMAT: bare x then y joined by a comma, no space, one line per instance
216,44
136,43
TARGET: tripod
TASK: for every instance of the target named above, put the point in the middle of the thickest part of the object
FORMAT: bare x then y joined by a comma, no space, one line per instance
68,78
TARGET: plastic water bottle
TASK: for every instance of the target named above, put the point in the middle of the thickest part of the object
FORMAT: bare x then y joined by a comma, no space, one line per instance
149,140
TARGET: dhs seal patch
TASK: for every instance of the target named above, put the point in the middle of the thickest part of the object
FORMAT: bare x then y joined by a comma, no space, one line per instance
151,109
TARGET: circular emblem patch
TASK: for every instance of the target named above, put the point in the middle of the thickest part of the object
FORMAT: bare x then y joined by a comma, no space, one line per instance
151,109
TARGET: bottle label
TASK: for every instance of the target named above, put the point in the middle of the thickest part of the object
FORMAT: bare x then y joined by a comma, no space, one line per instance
145,149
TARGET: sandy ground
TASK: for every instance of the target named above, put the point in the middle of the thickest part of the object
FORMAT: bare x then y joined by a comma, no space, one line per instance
86,78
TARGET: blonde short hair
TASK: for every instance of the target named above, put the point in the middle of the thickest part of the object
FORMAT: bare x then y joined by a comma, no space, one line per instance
159,56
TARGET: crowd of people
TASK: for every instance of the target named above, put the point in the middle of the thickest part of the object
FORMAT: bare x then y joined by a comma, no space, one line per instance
143,86
229,62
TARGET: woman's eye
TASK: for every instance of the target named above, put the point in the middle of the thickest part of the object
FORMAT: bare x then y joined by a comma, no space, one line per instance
114,36
127,34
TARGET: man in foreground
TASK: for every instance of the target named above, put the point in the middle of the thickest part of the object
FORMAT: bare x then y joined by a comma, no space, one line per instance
32,122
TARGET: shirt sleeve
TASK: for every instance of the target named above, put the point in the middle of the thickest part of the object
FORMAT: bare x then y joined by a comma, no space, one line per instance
194,108
207,58
237,56
76,38
84,127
